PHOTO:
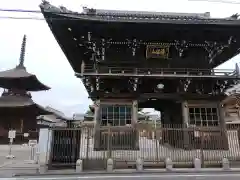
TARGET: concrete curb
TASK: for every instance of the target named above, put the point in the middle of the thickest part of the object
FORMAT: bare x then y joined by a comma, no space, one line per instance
132,171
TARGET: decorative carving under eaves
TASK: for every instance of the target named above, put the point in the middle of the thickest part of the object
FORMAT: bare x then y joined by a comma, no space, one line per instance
133,45
97,49
103,45
185,84
97,83
200,88
87,84
220,87
181,46
134,83
214,48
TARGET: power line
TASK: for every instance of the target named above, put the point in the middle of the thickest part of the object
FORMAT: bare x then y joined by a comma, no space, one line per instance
20,10
40,19
21,18
35,12
219,1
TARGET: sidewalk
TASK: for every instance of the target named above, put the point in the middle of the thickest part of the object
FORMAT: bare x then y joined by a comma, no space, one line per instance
130,171
20,164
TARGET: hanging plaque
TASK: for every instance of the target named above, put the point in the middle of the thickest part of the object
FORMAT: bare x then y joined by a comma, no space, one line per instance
157,51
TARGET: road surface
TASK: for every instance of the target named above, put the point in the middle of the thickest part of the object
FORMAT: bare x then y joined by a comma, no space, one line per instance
173,176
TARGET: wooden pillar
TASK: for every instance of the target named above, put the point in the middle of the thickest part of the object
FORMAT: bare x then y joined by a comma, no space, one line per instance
21,126
96,113
82,67
223,130
135,121
221,112
134,112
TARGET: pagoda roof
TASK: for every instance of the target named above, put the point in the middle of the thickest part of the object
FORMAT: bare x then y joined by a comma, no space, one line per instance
138,16
17,103
19,78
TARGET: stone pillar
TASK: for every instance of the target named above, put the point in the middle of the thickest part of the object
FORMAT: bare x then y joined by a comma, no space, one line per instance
79,166
225,164
185,124
44,148
96,123
197,164
139,164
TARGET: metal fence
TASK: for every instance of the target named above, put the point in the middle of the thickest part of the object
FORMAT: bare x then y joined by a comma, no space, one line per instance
152,144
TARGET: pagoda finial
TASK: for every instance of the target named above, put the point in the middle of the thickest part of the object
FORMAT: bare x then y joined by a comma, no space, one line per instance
22,54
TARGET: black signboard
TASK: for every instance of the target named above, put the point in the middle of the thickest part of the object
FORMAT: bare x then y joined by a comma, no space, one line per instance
157,51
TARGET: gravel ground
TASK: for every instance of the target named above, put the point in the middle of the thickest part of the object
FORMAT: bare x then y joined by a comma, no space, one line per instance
21,153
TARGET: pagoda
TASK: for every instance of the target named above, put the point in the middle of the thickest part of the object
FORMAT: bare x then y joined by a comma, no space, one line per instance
166,61
17,109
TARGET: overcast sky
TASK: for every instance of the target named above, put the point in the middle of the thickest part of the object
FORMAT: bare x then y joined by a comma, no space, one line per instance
45,58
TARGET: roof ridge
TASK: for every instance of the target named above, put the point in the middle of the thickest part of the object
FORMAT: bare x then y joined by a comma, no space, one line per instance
145,13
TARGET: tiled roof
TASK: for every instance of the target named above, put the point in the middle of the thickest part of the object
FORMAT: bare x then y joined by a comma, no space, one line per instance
139,16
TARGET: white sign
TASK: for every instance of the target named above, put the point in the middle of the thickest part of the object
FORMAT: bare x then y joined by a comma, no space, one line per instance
32,142
26,134
11,134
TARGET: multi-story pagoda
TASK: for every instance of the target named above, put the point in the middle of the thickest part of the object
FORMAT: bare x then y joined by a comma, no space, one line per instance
130,60
17,109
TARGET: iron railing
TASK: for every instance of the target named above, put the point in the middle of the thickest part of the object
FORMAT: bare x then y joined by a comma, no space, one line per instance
153,144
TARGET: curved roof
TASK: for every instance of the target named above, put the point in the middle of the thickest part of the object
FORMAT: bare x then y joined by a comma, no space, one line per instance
15,103
138,16
71,30
19,78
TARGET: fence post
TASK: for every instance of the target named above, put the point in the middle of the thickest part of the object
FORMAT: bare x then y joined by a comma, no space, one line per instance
79,166
139,164
202,148
88,139
109,165
37,156
109,142
33,152
156,143
169,164
42,169
197,164
225,164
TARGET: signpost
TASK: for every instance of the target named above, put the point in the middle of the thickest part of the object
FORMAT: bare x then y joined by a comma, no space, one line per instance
33,150
11,136
25,135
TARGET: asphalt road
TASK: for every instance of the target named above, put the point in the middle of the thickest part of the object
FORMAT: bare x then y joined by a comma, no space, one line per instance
173,176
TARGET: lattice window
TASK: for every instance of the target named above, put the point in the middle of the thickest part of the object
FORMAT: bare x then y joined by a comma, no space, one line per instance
201,116
118,115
